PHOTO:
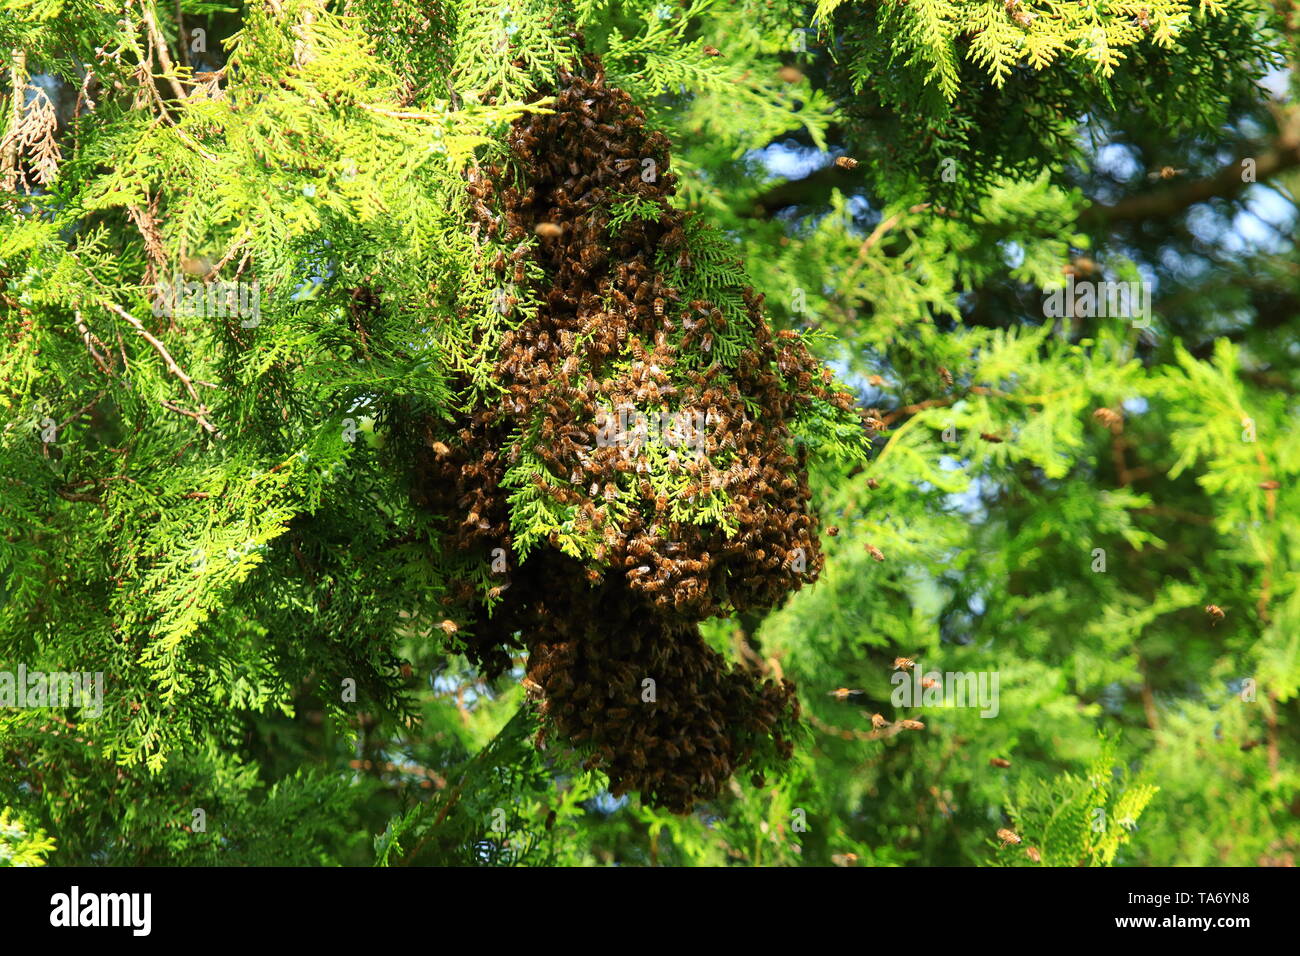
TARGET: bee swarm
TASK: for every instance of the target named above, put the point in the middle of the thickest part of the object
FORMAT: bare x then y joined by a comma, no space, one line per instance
611,331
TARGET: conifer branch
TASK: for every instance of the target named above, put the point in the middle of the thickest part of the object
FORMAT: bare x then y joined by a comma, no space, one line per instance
159,44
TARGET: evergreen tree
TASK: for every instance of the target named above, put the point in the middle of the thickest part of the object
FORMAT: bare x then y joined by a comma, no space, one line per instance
532,432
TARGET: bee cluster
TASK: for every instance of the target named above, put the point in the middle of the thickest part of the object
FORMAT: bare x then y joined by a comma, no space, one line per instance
611,331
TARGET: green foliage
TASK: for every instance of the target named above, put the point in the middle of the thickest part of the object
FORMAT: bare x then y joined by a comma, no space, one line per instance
1084,820
215,511
20,846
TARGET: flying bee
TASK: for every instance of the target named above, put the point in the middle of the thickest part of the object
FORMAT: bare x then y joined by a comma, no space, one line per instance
911,725
875,552
843,693
712,51
846,162
903,663
1144,19
1001,762
876,424
946,376
1165,172
990,437
548,230
1007,837
1033,854
439,449
531,686
449,627
833,530
1270,485
873,484
1215,613
928,682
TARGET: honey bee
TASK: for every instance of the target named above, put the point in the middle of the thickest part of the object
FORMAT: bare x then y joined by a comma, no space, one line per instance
846,162
1270,485
1007,837
878,721
531,687
548,230
440,449
990,437
712,51
903,663
833,530
1022,17
1033,854
876,424
875,552
843,693
1165,172
1215,613
449,627
928,682
911,725
945,376
844,859
873,484
1110,418
1001,762
1144,19
674,238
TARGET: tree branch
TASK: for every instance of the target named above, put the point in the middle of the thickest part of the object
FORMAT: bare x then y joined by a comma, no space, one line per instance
1227,183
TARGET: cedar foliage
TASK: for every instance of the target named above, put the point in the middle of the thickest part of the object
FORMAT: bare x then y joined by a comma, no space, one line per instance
266,530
